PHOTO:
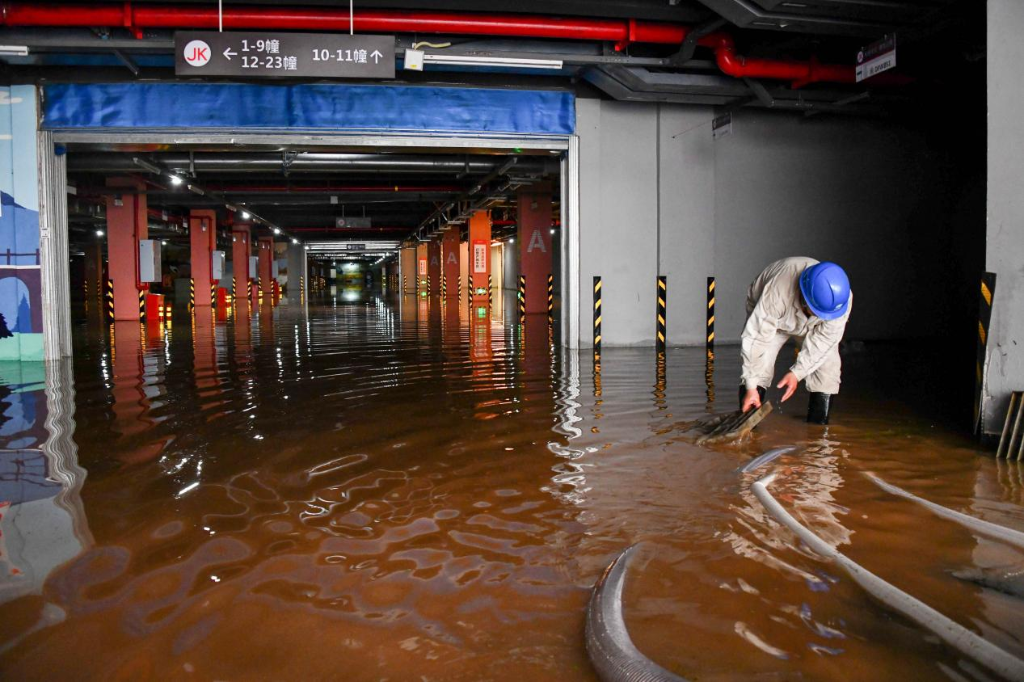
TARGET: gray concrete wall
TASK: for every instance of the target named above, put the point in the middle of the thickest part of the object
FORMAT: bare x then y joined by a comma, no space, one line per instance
657,189
1005,232
618,218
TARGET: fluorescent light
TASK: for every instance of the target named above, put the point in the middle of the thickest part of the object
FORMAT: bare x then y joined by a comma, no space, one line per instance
246,215
513,62
552,230
13,50
512,240
99,233
294,240
142,163
277,230
175,180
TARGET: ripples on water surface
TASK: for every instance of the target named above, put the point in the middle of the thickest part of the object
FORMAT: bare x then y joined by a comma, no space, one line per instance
371,491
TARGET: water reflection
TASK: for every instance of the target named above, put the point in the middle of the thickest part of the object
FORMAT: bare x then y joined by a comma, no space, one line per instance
404,487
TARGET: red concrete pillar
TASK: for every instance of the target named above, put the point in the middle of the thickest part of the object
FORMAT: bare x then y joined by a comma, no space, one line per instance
480,255
422,270
434,267
202,231
450,253
534,221
127,223
266,265
240,250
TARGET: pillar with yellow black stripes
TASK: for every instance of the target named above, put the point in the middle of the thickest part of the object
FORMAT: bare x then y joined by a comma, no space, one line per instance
192,295
110,300
551,299
988,291
597,320
661,339
710,343
521,300
142,305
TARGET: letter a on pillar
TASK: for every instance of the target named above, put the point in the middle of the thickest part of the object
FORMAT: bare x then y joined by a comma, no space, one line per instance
450,254
534,212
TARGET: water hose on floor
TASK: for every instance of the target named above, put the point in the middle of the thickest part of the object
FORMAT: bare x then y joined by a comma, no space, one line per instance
612,652
991,530
963,640
764,458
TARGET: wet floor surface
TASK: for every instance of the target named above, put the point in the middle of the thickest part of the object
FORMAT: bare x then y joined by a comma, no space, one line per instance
369,489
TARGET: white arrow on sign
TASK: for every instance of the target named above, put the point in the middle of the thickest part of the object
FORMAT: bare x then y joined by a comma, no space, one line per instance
376,56
229,54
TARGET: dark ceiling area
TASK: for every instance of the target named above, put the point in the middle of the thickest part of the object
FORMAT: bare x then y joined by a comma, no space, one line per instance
309,195
794,56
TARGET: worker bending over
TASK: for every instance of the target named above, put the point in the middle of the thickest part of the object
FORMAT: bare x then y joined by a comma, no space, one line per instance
796,298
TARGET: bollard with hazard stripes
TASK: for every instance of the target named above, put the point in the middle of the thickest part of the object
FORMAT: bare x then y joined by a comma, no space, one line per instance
988,292
710,343
662,331
522,298
142,305
597,320
110,300
191,295
551,299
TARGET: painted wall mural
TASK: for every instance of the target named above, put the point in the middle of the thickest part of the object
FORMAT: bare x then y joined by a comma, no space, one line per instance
21,315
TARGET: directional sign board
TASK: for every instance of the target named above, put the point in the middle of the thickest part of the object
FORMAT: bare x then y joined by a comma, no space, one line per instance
283,55
877,57
357,221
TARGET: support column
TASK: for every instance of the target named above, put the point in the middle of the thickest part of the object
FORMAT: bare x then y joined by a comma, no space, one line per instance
127,223
450,257
241,246
407,270
422,270
1003,367
480,256
266,265
434,267
94,279
296,272
534,225
202,232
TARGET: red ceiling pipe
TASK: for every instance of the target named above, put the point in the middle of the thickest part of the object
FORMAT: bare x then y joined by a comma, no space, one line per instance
347,230
167,16
622,32
338,190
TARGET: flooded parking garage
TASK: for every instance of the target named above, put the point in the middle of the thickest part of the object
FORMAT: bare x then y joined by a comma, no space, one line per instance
420,341
379,488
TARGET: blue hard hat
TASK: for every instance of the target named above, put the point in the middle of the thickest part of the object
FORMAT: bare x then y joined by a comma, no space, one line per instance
826,289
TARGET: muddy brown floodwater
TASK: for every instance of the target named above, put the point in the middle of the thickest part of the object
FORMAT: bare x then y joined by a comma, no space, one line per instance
367,490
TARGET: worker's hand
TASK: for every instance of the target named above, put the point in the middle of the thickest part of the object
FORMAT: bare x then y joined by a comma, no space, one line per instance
751,400
789,382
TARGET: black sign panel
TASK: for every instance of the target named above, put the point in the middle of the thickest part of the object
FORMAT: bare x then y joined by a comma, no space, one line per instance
283,55
354,222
